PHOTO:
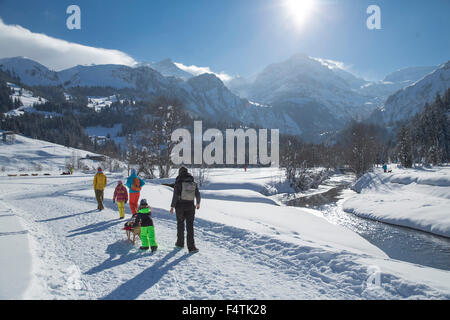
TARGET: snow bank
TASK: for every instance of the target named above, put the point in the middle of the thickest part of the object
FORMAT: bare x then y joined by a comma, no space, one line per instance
415,198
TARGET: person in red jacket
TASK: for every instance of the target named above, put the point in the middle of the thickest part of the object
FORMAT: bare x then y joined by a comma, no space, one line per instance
121,196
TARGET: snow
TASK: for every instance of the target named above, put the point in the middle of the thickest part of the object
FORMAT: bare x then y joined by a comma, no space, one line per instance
415,198
251,247
26,155
15,256
99,103
28,101
411,100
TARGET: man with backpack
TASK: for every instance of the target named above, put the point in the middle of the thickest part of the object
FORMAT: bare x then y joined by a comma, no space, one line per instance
185,191
134,184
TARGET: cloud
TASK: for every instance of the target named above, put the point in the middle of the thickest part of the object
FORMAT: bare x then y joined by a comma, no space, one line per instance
332,64
196,71
56,54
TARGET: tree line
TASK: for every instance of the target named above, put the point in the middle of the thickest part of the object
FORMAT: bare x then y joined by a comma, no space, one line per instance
425,139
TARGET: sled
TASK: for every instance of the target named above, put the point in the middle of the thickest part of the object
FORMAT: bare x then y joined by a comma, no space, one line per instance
136,232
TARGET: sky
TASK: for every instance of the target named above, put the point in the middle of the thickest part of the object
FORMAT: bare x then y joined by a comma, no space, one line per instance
229,37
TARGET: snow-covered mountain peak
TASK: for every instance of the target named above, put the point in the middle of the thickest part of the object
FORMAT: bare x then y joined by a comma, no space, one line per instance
29,71
408,101
206,81
169,69
409,75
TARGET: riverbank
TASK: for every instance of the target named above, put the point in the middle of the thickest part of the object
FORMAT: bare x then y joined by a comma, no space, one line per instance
413,198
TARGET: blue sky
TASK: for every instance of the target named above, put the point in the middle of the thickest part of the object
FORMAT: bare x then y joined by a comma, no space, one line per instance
244,36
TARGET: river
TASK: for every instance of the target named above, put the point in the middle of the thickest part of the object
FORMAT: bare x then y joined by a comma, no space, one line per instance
397,242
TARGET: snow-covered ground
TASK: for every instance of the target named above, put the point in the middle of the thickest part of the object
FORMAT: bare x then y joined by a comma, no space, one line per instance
55,245
99,103
415,198
250,248
28,101
26,155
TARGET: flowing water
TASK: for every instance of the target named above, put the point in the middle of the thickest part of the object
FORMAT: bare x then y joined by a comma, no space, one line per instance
397,242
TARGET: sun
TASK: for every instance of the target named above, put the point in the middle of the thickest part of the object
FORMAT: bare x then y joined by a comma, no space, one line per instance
299,10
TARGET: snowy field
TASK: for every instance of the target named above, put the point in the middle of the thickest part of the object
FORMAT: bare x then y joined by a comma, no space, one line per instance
27,155
28,101
415,198
55,245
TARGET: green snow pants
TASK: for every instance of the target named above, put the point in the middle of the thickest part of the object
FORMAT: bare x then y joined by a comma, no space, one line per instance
148,236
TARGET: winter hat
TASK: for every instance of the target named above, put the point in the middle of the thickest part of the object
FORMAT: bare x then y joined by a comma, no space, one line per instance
119,182
133,171
143,202
182,171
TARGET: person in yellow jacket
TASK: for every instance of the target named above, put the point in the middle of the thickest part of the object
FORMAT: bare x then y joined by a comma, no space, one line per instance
100,181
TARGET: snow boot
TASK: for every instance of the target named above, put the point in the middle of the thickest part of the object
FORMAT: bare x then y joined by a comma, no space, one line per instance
195,250
154,248
177,246
144,248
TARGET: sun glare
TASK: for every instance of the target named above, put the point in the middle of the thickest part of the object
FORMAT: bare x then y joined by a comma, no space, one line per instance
299,10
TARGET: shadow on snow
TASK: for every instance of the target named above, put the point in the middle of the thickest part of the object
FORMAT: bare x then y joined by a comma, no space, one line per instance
133,288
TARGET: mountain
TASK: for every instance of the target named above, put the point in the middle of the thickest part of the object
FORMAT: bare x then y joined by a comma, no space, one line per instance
408,101
316,95
168,69
302,95
409,75
354,81
381,90
239,86
319,94
30,72
204,96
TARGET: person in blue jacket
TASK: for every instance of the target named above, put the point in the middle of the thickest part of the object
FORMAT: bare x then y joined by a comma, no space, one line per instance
134,184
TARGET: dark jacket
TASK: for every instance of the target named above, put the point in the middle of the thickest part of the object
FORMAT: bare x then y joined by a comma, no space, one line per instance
176,198
144,217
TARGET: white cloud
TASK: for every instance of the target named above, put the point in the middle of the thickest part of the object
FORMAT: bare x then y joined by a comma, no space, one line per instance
332,64
56,54
196,71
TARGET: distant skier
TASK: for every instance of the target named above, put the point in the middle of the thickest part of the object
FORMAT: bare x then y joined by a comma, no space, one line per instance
184,193
384,167
100,181
121,195
134,184
144,219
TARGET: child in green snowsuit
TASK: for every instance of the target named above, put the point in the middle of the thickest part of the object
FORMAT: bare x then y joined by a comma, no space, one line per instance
147,229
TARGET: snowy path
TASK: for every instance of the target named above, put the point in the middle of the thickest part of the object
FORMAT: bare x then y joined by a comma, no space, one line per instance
80,253
15,255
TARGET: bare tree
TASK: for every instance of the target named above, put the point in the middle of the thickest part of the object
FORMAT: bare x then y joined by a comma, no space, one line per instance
362,146
157,140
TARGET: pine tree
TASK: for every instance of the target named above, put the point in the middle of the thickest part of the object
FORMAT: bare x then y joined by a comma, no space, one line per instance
404,149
